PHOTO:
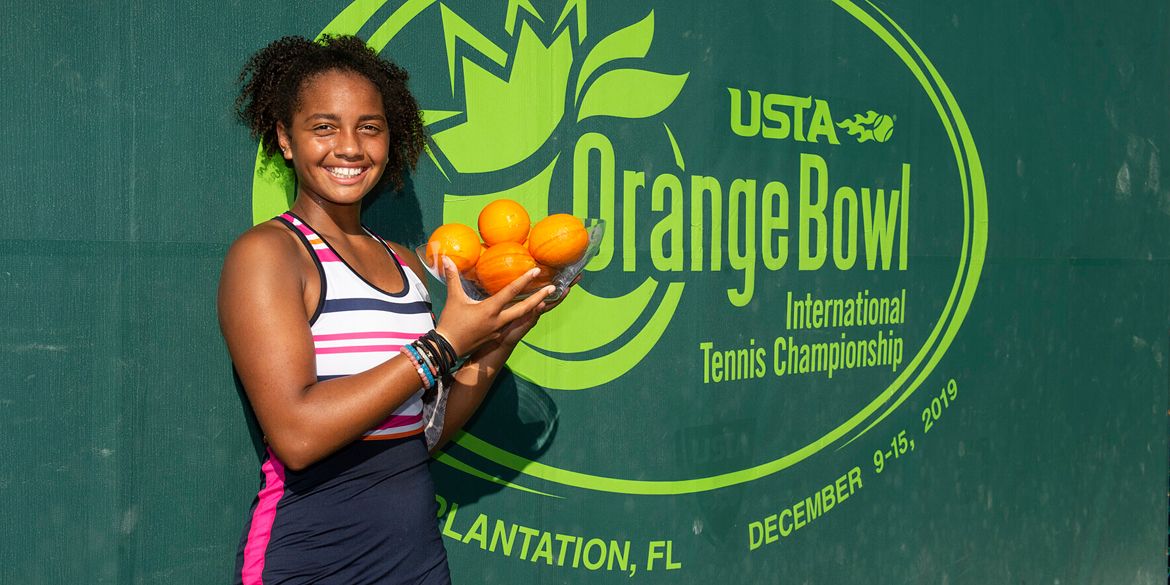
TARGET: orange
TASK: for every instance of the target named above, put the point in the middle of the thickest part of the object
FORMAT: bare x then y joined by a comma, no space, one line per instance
558,240
543,279
457,242
501,264
503,220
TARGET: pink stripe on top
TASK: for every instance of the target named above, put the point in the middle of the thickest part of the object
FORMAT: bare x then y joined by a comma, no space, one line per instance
400,421
359,349
260,532
326,255
351,335
320,248
302,228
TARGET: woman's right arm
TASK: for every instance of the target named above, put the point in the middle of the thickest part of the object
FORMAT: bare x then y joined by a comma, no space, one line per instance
262,317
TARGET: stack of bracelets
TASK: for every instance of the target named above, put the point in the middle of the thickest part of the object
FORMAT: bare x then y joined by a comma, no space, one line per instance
432,356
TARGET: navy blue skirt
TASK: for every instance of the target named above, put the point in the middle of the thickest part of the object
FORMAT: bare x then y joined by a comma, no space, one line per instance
366,514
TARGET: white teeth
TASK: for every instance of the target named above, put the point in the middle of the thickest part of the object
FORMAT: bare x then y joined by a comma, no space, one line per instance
345,172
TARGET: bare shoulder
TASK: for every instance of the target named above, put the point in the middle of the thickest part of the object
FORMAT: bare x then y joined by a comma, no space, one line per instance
410,259
264,258
269,240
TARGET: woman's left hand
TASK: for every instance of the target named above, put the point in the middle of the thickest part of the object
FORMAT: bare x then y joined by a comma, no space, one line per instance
477,374
516,330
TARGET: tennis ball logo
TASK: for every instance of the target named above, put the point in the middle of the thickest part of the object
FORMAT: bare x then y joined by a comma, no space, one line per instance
883,128
869,126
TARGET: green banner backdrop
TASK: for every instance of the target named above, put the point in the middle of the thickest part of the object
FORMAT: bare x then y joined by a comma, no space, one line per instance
883,296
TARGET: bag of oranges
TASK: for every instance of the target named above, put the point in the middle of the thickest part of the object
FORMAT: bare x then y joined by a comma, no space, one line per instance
508,245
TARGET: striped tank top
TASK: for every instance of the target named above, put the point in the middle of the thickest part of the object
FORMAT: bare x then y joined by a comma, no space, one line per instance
357,325
365,514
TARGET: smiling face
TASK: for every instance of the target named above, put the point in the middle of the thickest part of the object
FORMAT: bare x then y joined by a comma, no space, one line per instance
337,139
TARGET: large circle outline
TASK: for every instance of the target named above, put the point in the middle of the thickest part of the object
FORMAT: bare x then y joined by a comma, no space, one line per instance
958,303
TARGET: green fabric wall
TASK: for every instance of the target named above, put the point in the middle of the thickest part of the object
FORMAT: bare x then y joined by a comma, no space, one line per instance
127,454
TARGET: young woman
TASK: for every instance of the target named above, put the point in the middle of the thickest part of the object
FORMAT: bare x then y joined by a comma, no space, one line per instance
330,330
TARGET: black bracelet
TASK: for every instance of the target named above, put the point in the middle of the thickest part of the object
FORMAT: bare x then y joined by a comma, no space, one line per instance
448,353
444,345
427,358
434,346
433,356
447,356
448,363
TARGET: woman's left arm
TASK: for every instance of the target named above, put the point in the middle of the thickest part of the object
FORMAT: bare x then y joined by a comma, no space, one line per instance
473,380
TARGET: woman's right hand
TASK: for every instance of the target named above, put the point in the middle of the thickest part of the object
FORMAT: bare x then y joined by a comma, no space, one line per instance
467,323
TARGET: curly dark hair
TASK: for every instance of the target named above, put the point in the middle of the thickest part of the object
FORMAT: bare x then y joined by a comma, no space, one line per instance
272,80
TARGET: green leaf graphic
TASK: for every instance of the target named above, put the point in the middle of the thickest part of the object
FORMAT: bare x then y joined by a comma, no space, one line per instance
579,6
632,42
513,7
525,108
631,93
432,116
455,28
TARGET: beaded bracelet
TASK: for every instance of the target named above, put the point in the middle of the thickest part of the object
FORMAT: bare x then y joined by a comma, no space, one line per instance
424,370
442,359
428,358
433,357
406,352
428,351
414,363
410,352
